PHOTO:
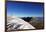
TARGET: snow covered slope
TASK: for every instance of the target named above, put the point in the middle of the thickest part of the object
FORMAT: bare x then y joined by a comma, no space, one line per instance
17,23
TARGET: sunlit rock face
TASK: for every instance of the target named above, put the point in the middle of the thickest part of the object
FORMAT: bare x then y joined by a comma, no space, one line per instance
17,23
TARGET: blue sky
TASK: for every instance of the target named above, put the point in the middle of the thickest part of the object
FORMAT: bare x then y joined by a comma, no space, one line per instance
25,9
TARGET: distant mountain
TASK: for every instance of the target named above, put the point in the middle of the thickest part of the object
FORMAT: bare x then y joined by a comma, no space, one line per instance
39,18
32,18
26,18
